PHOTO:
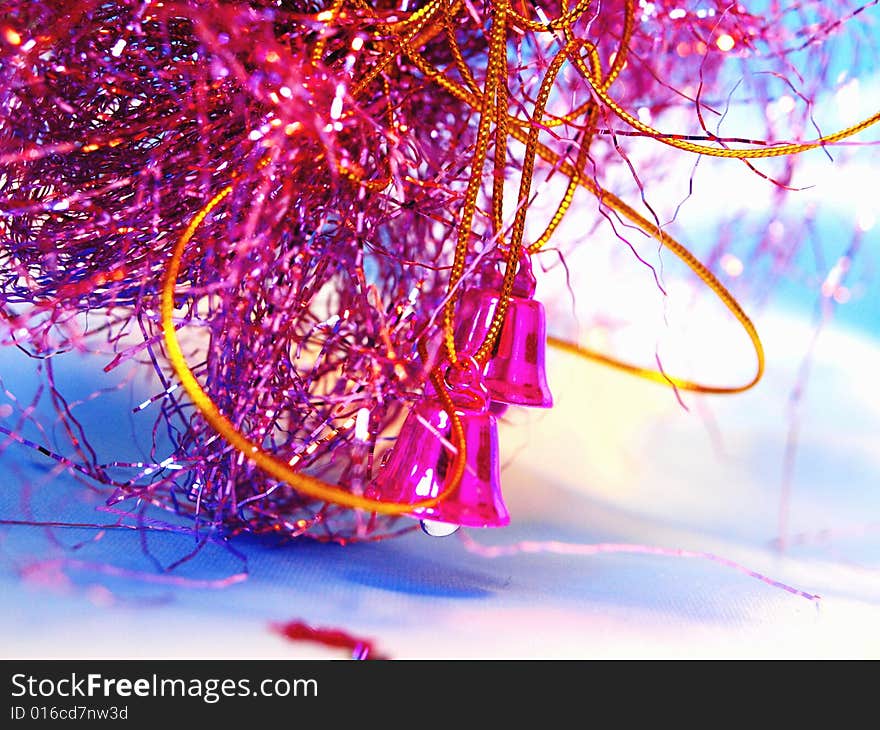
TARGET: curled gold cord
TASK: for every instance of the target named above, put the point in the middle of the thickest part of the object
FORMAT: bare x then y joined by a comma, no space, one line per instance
578,175
748,153
682,253
497,62
484,352
271,464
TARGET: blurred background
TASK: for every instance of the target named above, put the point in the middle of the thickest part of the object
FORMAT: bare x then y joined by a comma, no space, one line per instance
645,523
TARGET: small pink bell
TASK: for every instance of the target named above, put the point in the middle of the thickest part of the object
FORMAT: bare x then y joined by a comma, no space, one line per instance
418,464
516,372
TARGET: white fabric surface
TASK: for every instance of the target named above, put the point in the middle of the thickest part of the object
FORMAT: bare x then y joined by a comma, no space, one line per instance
616,461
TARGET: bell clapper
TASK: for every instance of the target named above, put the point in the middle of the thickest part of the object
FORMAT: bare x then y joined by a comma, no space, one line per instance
439,529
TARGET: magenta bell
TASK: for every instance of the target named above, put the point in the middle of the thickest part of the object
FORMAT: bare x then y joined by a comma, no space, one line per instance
516,372
418,464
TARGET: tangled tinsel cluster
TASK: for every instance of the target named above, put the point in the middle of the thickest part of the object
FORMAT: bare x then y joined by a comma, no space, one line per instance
327,176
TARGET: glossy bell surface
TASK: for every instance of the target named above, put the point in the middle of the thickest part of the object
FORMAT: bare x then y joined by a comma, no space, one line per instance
419,462
516,372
